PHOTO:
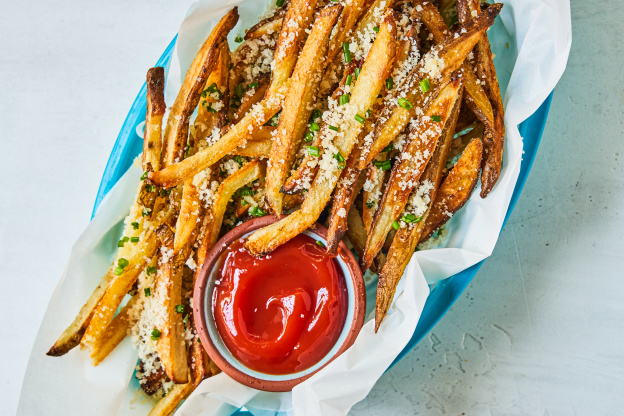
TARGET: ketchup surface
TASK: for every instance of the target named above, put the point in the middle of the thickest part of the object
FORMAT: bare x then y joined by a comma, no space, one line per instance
281,313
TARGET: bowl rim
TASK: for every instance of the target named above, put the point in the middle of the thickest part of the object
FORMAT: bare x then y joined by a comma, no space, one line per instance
203,284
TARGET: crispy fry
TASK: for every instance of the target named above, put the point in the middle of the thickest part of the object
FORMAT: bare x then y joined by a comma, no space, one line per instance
215,95
300,13
298,105
168,404
453,53
494,137
355,230
153,118
407,238
375,178
411,164
115,333
368,85
248,100
258,144
456,188
176,130
271,24
474,95
117,288
248,173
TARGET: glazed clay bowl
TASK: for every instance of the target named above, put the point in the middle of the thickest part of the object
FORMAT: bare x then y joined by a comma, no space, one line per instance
216,348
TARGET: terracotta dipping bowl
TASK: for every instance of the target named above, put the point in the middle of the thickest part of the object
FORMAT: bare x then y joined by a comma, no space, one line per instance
216,348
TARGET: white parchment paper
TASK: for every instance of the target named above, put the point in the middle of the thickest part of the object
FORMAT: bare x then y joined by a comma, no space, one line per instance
531,41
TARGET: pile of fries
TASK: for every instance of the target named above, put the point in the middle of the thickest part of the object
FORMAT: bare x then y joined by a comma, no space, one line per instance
374,117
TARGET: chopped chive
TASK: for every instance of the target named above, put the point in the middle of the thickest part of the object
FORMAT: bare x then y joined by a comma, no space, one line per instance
146,212
383,164
357,72
370,204
256,211
340,159
313,151
436,118
279,3
314,126
334,128
252,85
244,191
150,270
344,99
244,203
389,83
209,108
395,225
424,85
368,113
238,90
118,271
123,241
376,29
179,308
144,176
347,53
403,102
134,239
239,160
308,137
238,39
359,118
348,80
147,291
123,262
212,89
388,148
155,334
185,320
315,114
150,188
320,244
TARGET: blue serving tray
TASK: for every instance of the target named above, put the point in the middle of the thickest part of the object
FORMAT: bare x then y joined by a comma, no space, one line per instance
442,297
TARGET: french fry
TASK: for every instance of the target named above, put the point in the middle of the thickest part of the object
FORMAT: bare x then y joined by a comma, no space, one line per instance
115,333
248,100
452,53
215,95
494,137
298,105
367,87
456,188
373,189
271,24
412,162
153,119
407,237
248,173
297,19
168,404
474,95
355,229
177,128
117,288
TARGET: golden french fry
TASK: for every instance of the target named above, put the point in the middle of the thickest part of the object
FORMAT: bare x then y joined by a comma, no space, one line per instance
152,142
411,164
117,288
456,188
250,99
114,334
355,229
371,79
407,237
372,191
298,105
168,404
474,95
177,128
452,54
268,26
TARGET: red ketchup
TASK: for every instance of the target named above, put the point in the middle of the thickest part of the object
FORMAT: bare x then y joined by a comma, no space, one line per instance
282,313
